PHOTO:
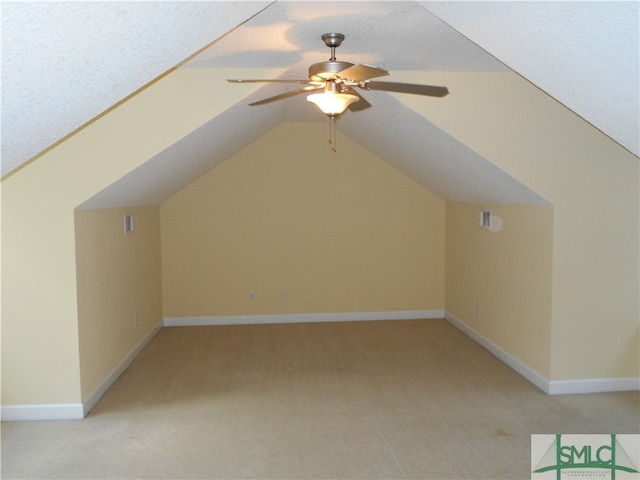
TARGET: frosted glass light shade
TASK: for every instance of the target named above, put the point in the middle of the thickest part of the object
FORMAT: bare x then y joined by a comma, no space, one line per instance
333,103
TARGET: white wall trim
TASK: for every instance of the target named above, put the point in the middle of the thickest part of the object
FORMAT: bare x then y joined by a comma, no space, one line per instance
522,368
72,411
301,318
95,396
552,387
594,385
56,411
75,411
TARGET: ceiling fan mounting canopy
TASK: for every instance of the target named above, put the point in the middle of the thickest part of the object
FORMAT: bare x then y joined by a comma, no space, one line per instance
332,40
326,70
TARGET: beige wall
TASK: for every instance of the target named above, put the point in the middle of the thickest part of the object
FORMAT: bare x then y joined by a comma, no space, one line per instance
591,182
593,185
40,349
499,282
40,358
340,232
118,279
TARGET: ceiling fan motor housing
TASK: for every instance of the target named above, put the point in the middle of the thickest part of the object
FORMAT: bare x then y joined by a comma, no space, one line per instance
326,70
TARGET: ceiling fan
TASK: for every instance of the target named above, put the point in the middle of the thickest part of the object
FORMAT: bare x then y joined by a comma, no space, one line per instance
336,80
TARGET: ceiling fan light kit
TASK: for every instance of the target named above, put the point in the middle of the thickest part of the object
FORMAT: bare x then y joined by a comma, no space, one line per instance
332,104
333,101
337,79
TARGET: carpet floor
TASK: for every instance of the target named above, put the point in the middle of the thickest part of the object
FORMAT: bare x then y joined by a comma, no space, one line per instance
359,400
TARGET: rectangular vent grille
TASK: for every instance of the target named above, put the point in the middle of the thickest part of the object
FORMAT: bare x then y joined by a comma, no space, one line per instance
128,224
485,219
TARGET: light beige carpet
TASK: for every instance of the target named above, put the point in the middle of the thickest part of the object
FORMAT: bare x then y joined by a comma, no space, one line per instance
365,400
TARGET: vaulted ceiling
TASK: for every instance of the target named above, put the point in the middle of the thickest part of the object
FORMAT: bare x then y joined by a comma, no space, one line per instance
67,63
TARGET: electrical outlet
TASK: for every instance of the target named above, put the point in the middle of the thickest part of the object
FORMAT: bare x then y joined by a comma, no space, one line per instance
252,295
285,295
477,310
136,320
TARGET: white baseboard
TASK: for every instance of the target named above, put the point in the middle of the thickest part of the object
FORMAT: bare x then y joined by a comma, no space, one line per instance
93,399
71,411
522,368
301,318
551,387
75,411
56,411
594,385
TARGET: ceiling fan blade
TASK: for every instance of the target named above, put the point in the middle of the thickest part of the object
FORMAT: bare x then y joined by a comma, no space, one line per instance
302,82
428,90
357,73
361,104
286,95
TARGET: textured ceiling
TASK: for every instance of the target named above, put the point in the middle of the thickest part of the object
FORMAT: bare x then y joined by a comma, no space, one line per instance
64,63
585,54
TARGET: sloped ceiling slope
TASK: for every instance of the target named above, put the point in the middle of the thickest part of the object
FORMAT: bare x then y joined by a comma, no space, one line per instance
64,63
584,54
287,35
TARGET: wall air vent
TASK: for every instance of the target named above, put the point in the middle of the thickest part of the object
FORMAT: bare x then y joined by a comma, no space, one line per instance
485,219
128,224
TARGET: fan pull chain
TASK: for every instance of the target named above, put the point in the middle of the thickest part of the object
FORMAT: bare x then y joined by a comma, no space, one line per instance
331,134
328,139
